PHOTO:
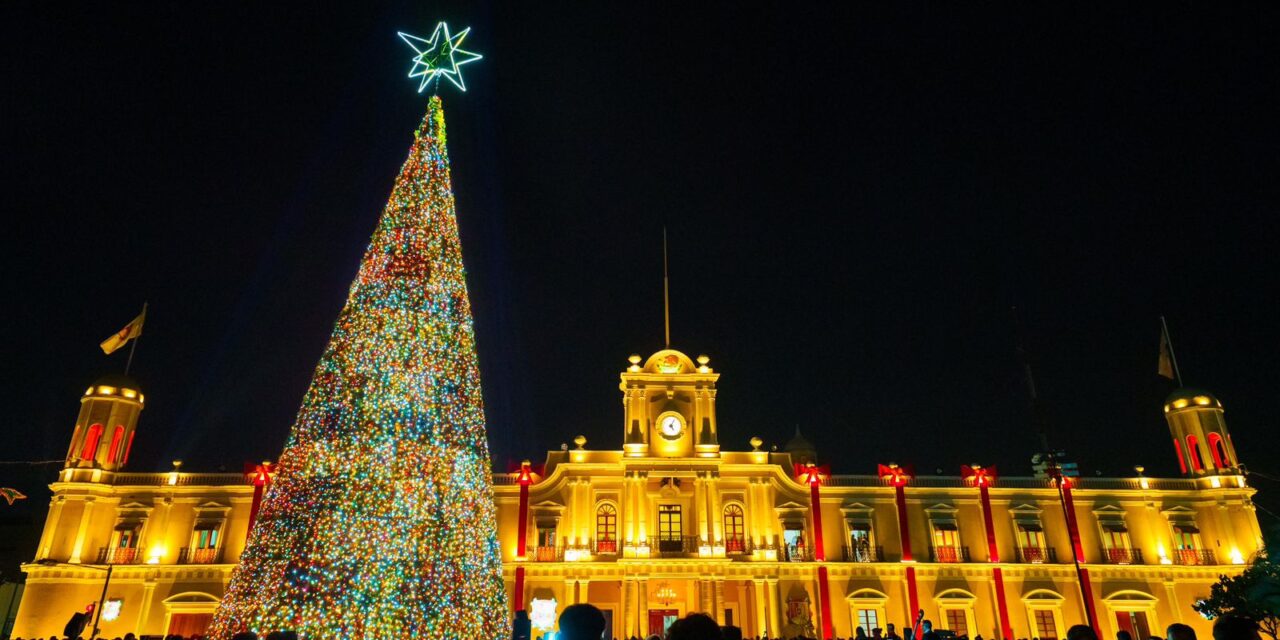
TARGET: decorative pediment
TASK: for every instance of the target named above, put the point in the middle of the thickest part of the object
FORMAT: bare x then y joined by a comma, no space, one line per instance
854,510
1179,512
1109,512
212,509
1026,509
791,506
548,506
941,509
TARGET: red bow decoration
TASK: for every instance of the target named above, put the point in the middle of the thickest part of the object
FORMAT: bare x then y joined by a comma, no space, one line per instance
811,473
982,476
259,474
526,471
896,475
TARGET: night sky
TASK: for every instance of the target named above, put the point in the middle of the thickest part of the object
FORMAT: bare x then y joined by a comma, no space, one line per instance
855,201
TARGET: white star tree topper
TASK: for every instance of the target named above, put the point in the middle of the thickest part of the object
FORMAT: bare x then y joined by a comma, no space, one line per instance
439,56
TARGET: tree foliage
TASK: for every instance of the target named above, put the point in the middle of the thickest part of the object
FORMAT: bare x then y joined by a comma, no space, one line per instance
1253,594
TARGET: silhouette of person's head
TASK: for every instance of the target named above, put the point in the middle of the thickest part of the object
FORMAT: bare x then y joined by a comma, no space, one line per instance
1179,631
1235,628
1081,632
245,635
730,632
581,622
1123,635
695,626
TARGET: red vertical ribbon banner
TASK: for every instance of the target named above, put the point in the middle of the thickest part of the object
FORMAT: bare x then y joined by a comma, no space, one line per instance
260,477
1086,589
522,537
812,475
898,477
983,478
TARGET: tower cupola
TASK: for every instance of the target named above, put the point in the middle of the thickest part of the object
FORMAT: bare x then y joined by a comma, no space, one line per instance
1200,436
669,407
104,430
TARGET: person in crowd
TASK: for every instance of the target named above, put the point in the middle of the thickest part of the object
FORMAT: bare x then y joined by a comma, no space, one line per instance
890,633
1123,635
1081,632
1231,627
730,632
581,622
877,633
927,632
695,626
245,635
860,633
1179,631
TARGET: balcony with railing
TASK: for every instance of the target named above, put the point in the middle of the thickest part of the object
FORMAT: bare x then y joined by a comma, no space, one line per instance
948,554
1122,555
188,555
797,553
547,554
863,554
676,547
1038,555
738,547
119,555
1194,556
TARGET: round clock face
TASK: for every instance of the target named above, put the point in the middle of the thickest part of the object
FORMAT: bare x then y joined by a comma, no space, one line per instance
671,426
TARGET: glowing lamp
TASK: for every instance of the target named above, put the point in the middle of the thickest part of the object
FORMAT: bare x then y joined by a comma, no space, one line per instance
542,613
154,557
1202,400
1236,557
1215,482
111,609
106,391
1180,403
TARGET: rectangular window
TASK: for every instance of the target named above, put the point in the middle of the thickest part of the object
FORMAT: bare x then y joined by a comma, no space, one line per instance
669,522
1185,536
868,619
670,528
957,622
1046,625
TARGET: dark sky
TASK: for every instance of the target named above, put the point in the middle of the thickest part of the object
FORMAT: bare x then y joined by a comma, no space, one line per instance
855,200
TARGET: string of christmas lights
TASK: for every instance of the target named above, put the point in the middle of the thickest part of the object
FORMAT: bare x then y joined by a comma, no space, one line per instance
380,522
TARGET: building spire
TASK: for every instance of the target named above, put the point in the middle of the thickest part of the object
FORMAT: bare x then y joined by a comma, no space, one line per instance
666,291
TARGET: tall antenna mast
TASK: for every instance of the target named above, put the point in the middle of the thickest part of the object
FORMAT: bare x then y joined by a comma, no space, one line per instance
666,290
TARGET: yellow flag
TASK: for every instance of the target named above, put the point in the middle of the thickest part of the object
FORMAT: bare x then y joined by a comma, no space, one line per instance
1165,367
129,332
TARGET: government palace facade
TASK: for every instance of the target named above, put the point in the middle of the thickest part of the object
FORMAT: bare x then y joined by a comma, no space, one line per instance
668,523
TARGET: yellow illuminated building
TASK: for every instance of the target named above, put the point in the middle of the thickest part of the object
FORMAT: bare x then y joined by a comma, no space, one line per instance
668,523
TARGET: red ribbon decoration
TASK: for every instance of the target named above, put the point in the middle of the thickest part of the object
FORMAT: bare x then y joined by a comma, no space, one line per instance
811,474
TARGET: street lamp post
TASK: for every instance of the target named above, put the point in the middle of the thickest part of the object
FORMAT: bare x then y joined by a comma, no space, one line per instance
102,600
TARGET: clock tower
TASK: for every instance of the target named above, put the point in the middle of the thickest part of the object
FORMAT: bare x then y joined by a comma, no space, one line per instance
669,407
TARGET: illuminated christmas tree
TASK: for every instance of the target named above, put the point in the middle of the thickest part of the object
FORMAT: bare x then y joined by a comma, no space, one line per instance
380,521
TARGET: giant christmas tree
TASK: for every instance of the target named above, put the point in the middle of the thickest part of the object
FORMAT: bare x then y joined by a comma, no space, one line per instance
380,520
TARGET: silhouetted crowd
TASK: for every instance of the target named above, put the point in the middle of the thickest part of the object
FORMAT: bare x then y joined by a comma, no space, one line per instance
586,622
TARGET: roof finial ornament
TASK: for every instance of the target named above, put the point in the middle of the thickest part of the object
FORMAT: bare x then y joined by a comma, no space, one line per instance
666,290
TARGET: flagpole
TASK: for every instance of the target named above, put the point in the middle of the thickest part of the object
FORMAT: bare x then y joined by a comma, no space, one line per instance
1173,359
129,363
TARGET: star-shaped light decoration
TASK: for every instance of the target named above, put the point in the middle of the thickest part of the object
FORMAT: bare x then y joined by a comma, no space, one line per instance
439,56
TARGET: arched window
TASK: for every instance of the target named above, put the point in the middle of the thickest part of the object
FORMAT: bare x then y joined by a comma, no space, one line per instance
91,442
1193,452
117,440
606,528
1182,462
735,533
1219,450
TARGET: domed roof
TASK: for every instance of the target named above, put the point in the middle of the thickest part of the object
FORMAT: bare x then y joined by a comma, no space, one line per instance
118,380
1192,397
669,361
798,443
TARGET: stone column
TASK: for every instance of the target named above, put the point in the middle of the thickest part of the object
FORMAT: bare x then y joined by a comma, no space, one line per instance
50,532
148,590
718,599
704,597
700,505
82,531
774,601
761,609
717,509
570,592
642,597
584,586
739,621
642,505
627,606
